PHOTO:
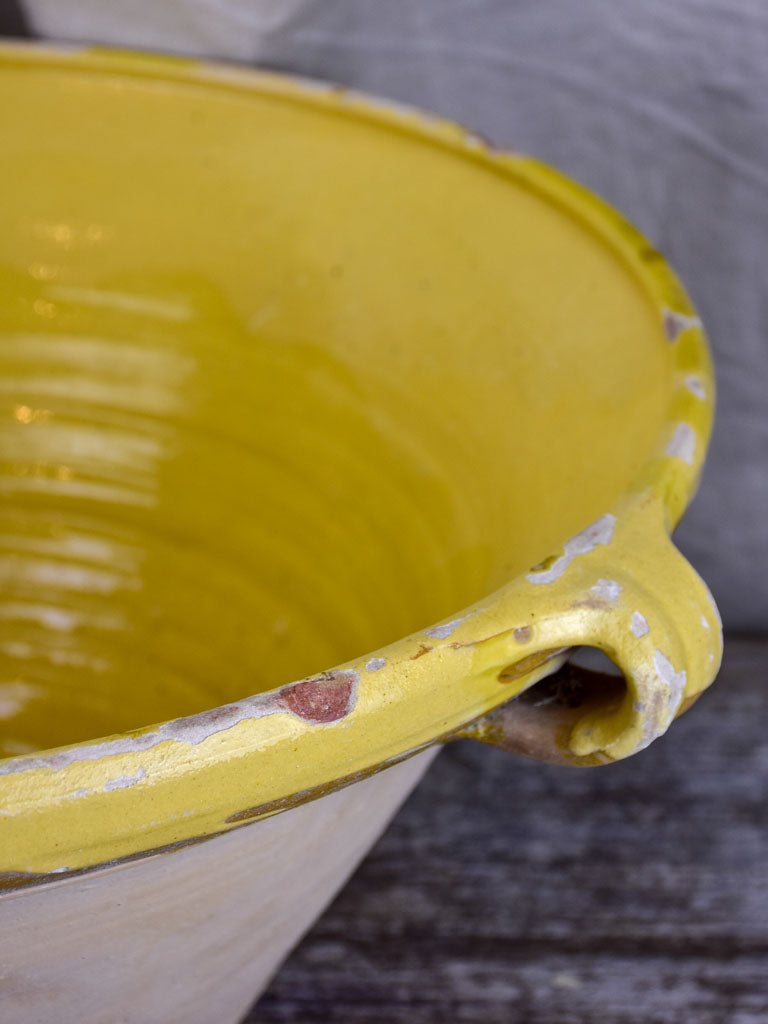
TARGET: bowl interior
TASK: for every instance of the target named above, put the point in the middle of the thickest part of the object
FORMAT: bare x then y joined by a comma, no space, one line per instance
279,384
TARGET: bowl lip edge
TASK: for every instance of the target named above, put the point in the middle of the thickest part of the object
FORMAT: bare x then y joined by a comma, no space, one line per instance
673,479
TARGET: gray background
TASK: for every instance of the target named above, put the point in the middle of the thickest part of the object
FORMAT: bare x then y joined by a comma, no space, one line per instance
659,106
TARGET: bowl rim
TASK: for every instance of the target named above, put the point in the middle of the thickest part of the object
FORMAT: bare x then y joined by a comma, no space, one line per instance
81,793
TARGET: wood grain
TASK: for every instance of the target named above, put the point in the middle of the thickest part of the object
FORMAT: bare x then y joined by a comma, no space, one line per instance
508,891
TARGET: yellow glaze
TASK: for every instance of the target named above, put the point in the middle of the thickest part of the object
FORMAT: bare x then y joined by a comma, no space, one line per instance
287,377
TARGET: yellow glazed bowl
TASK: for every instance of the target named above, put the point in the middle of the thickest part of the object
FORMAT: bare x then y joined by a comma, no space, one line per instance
322,415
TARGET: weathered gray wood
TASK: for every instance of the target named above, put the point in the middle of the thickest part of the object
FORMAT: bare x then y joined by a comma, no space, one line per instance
508,891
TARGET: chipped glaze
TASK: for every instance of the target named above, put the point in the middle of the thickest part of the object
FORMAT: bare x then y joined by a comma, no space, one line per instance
444,630
639,625
676,322
599,532
124,781
683,443
696,388
674,680
608,590
618,583
322,700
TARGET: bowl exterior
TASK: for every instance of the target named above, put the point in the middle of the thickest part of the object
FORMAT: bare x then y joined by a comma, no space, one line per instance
194,935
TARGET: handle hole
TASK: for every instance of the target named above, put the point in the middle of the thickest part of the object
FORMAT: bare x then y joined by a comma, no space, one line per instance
595,660
589,677
539,721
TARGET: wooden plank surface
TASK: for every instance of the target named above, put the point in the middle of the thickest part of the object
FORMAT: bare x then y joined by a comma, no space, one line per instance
508,891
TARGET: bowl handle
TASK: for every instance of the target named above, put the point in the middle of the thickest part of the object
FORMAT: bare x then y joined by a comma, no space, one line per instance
623,587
